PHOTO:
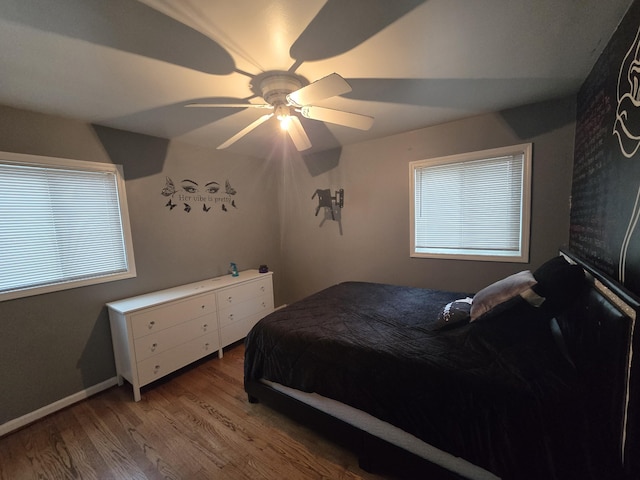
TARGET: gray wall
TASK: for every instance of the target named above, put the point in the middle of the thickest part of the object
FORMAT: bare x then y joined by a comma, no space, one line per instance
374,244
57,344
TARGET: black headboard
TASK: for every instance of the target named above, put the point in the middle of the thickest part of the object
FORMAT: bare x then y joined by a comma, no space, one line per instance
599,333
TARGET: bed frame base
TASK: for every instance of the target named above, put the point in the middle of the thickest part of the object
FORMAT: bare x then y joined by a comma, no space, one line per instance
374,454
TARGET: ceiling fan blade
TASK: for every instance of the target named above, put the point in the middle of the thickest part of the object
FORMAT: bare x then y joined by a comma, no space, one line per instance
298,135
326,87
245,130
338,117
229,105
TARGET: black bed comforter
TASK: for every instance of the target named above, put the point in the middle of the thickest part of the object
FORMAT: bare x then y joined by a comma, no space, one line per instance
498,393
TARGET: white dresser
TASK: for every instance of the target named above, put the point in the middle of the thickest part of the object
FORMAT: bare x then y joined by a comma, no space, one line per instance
159,332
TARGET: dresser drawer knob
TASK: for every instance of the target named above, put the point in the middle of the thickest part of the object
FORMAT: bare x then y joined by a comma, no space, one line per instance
153,347
156,369
203,307
230,299
231,316
262,288
206,346
151,324
205,326
264,305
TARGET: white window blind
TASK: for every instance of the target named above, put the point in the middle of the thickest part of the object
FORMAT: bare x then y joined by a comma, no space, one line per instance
62,226
472,206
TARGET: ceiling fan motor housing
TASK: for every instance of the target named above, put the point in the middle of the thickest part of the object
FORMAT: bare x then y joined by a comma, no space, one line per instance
275,88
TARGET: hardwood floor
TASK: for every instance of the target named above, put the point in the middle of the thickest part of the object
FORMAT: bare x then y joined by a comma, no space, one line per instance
197,424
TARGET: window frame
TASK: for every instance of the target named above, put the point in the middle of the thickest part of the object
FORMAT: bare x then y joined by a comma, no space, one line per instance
29,160
522,255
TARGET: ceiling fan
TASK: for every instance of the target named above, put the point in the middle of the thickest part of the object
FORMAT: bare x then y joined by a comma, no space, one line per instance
283,92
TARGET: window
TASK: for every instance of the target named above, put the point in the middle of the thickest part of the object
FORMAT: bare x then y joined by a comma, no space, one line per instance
474,206
64,224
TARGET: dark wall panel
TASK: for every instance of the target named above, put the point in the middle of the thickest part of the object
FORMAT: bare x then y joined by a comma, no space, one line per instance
606,176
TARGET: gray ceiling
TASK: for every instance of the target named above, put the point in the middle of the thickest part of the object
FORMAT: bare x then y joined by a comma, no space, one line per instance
133,65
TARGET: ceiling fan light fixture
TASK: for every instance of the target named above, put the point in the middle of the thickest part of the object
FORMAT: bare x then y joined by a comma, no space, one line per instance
283,114
285,123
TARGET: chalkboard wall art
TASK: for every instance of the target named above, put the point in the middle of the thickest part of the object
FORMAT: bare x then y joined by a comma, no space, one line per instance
605,199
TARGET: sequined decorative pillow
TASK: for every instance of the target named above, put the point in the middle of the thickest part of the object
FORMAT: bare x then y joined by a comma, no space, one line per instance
453,314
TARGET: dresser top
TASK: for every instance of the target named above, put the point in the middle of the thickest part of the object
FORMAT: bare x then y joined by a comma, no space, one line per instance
146,300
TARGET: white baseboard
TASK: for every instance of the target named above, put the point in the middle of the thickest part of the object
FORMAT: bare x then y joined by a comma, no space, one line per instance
25,420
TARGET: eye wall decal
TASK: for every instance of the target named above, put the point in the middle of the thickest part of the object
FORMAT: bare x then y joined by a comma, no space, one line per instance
191,191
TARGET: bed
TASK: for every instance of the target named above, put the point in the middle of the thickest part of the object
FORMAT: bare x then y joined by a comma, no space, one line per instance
534,378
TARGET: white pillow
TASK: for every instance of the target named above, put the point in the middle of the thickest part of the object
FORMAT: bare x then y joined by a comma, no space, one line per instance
501,294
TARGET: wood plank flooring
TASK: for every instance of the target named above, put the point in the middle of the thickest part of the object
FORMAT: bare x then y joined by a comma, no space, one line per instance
196,424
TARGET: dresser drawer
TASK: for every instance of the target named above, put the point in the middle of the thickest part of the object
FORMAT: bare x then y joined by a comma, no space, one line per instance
177,357
164,316
163,340
240,328
262,304
241,293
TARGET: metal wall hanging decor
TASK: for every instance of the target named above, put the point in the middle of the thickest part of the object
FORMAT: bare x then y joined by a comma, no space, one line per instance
329,202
